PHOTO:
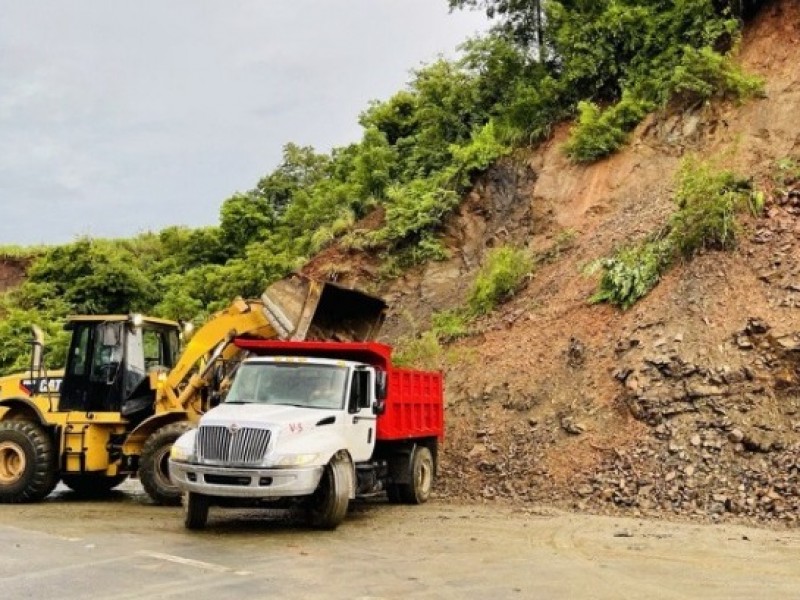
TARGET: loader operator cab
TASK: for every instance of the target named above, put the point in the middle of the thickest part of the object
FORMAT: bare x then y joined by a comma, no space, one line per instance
110,360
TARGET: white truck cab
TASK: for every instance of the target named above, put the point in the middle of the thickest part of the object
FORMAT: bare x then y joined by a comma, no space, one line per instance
289,427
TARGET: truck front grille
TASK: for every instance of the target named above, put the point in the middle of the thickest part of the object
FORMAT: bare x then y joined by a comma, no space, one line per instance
244,446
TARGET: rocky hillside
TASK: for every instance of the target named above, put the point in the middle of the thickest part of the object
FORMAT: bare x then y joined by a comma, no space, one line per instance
688,403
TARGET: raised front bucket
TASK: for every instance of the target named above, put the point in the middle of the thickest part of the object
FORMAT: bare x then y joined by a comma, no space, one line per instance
300,308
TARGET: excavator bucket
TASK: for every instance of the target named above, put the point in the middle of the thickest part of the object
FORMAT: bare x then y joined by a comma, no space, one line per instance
300,308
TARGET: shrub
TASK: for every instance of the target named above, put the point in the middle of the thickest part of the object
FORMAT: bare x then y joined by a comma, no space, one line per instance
704,73
708,201
478,154
500,277
632,272
424,352
787,172
415,208
449,325
599,133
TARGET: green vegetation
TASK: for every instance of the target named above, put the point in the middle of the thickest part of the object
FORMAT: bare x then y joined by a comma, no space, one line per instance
450,325
709,201
632,272
545,61
500,277
423,352
787,173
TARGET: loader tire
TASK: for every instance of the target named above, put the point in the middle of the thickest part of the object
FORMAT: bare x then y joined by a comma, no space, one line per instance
419,490
195,510
154,464
92,485
327,507
28,471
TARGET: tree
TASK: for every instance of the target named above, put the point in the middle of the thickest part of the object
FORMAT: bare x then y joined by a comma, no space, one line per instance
244,218
523,20
92,276
301,167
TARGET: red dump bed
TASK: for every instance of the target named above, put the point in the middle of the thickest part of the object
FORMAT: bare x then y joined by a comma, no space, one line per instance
415,400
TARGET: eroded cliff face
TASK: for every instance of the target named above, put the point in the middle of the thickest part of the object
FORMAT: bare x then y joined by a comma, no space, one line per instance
12,273
688,403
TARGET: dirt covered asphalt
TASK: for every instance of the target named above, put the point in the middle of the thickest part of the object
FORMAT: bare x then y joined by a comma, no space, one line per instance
124,548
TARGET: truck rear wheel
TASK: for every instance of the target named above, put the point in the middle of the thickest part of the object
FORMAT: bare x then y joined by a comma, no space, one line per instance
27,462
92,485
154,464
327,507
419,490
195,510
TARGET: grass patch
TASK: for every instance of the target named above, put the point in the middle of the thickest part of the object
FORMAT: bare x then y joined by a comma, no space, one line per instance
502,275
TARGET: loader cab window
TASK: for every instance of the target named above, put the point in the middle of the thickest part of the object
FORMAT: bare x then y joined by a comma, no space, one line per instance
107,353
94,364
147,348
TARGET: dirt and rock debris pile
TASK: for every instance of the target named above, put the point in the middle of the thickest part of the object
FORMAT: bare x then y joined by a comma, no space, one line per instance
704,417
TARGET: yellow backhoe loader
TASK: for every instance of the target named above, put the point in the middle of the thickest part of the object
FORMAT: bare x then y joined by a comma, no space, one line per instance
128,391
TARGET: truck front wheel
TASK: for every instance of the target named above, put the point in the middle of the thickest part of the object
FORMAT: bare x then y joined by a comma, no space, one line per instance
419,490
195,510
28,470
154,464
327,507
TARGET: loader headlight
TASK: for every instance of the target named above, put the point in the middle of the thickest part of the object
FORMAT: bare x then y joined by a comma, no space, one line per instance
296,460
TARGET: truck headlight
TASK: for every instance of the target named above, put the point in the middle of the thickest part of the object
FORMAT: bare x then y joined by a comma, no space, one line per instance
183,448
296,460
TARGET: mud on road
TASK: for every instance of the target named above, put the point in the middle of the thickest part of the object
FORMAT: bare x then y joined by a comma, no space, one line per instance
124,548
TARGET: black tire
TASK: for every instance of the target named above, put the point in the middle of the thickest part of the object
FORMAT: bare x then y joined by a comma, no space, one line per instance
327,507
195,510
92,485
154,464
28,471
393,493
419,490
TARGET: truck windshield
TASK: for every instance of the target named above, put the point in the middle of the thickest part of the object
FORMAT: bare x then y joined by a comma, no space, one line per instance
294,384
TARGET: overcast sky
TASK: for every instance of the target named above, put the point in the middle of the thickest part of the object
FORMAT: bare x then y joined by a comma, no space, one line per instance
118,117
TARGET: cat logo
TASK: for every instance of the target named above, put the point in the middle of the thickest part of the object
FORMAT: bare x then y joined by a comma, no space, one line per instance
40,385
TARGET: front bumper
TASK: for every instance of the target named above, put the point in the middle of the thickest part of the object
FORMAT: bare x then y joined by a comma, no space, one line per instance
244,483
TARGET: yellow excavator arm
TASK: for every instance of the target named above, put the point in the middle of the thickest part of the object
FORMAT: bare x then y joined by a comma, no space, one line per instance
294,308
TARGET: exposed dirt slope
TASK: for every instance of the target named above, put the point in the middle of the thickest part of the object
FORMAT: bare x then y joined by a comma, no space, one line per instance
12,272
690,402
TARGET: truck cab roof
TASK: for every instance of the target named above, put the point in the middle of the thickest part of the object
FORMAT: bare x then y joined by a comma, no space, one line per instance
371,353
311,360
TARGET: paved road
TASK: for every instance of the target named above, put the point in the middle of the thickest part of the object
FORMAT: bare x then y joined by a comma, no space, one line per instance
122,548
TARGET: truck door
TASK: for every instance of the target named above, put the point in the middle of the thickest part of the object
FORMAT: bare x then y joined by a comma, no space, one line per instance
362,421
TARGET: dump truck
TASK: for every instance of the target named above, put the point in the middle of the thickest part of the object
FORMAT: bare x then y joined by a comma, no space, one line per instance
131,388
313,425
